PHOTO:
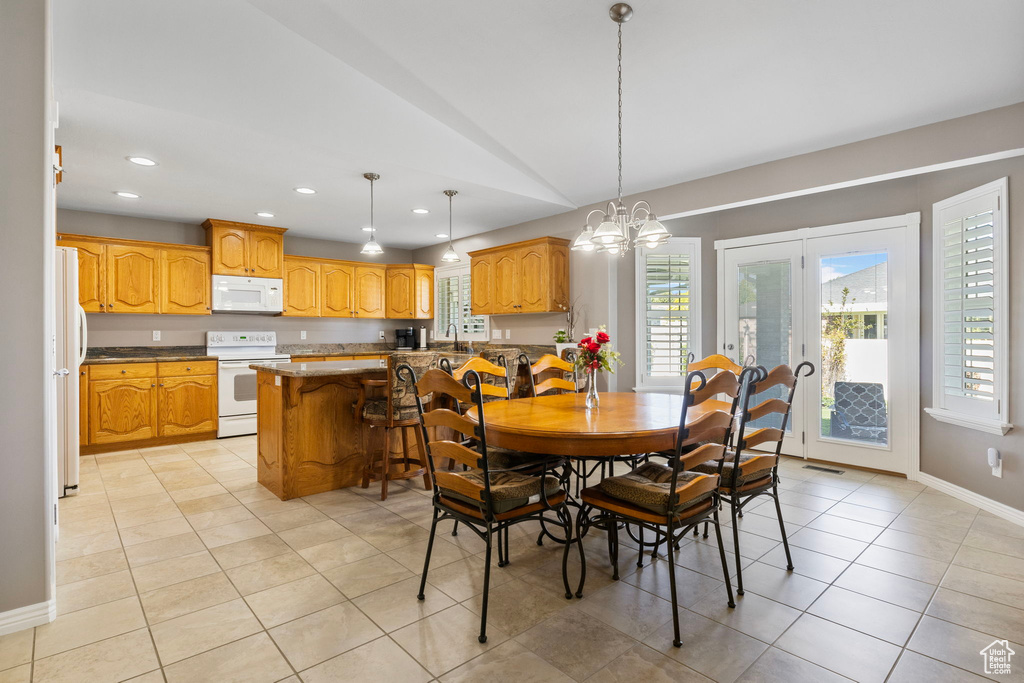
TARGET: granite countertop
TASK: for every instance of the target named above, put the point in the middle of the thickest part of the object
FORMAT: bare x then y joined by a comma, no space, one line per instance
323,368
144,354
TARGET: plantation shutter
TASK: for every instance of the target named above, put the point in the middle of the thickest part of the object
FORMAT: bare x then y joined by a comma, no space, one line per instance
447,302
667,321
453,304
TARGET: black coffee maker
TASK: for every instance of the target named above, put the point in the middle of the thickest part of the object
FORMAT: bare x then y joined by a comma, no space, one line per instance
405,339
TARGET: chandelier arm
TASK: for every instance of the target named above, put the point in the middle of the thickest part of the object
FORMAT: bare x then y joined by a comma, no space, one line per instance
587,221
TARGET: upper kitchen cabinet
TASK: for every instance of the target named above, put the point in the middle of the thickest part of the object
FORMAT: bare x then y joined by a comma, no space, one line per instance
524,277
370,291
185,280
337,289
132,279
91,268
301,286
245,249
410,291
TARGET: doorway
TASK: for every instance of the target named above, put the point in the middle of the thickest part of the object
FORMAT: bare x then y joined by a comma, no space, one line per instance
846,298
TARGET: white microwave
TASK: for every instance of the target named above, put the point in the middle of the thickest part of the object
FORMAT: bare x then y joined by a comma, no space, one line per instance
237,294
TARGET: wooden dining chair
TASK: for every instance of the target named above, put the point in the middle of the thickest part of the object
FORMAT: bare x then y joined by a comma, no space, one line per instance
485,499
746,473
494,377
396,410
549,364
665,499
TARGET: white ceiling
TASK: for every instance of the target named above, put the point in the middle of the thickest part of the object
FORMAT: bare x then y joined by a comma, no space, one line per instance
511,103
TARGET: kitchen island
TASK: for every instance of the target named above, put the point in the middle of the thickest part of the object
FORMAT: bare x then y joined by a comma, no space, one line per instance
308,439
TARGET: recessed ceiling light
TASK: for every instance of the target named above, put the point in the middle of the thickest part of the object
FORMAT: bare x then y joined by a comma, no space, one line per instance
128,195
441,235
141,161
421,210
305,190
264,214
369,229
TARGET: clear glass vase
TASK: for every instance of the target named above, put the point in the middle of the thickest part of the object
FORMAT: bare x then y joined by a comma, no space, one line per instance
593,402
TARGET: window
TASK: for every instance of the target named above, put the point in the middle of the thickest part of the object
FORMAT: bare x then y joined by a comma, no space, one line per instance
452,305
970,309
668,312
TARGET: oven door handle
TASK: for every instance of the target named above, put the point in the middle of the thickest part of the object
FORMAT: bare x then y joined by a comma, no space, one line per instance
234,365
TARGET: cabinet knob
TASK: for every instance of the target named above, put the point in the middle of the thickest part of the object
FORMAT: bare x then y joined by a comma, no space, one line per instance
101,305
161,383
153,385
111,306
123,372
188,369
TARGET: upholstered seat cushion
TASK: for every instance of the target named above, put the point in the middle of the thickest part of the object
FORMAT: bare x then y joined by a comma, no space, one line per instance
509,490
648,487
376,410
752,466
505,459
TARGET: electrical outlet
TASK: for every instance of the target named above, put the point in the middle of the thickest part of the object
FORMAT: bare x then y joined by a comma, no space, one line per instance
995,461
495,334
382,336
430,333
508,334
302,334
156,335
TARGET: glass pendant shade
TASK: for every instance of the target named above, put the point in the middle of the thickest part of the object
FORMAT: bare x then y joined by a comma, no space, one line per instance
371,247
584,241
652,232
608,232
450,256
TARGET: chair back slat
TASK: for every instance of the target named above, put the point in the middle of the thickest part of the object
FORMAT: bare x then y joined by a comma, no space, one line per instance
492,390
780,374
549,362
762,435
702,454
440,381
461,485
445,417
697,486
482,367
553,384
769,406
708,427
724,382
715,361
457,452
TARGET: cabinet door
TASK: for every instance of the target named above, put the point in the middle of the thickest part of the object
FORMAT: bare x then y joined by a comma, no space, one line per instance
533,278
230,247
423,294
337,287
301,288
266,251
91,268
184,282
399,293
370,291
559,286
122,410
187,405
506,282
132,281
481,271
83,406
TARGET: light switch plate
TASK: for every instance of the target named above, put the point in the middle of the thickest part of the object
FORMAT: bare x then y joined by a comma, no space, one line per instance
495,334
156,335
302,334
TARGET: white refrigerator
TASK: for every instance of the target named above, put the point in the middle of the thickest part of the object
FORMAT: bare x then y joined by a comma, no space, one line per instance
69,352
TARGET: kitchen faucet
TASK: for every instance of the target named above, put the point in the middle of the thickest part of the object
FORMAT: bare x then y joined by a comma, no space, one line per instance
448,331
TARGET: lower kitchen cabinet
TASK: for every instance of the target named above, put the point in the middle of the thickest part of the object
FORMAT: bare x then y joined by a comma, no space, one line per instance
122,410
187,405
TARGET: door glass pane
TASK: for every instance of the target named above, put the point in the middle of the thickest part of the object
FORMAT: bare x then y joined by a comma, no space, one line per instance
854,347
765,323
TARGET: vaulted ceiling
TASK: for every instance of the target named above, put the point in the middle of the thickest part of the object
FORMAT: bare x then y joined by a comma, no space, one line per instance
511,103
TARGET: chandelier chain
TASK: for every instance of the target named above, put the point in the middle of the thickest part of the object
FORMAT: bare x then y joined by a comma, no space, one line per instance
620,113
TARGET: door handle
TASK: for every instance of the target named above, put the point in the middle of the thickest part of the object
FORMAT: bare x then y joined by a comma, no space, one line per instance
729,347
63,372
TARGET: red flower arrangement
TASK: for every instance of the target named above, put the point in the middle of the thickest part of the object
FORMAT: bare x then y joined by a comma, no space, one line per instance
595,353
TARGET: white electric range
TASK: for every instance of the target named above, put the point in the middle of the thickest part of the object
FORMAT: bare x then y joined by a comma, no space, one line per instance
236,381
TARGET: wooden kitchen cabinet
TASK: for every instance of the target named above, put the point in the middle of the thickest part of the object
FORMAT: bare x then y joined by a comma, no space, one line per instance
245,249
337,290
187,405
301,286
369,291
132,279
185,281
92,266
524,277
410,291
122,410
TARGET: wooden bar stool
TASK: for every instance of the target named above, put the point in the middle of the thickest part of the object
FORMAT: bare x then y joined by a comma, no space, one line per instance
396,410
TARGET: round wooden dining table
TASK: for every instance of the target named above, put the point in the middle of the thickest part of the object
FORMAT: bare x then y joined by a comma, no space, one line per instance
625,423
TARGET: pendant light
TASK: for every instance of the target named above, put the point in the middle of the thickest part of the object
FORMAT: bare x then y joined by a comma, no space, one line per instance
612,234
371,248
449,255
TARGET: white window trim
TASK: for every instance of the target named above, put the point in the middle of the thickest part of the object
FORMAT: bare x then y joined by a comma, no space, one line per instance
673,245
461,271
999,423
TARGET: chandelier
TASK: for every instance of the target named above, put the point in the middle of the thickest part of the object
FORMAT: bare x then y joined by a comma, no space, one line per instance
613,233
449,255
371,248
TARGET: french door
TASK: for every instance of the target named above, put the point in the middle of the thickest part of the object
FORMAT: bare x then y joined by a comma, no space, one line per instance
846,299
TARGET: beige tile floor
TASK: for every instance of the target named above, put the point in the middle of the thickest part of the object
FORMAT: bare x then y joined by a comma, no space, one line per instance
174,564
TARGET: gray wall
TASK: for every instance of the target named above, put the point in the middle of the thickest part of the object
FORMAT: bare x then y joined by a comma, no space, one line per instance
107,329
26,275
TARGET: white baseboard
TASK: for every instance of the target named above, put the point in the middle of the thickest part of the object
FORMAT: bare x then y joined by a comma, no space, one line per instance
987,504
28,616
